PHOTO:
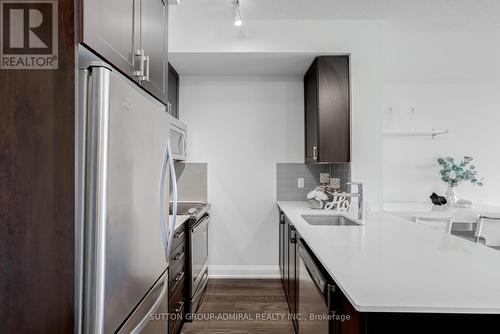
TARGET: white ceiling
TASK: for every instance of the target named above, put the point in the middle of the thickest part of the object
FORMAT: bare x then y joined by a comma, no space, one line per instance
241,63
427,15
476,10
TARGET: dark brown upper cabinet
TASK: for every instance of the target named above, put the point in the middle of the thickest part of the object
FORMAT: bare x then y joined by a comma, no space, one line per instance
173,92
327,110
132,36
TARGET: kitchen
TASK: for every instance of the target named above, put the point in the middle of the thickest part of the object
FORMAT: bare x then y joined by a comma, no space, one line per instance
232,97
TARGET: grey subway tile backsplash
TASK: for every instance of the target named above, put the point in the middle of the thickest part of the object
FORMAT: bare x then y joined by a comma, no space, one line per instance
192,181
343,172
288,173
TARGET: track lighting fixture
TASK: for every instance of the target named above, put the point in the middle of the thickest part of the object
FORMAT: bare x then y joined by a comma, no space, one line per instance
237,15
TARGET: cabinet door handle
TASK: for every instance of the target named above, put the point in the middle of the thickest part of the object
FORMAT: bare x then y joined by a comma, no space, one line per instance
179,276
139,54
146,61
179,256
180,307
178,235
315,152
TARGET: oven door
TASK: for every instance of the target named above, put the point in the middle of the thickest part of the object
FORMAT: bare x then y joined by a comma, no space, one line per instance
199,251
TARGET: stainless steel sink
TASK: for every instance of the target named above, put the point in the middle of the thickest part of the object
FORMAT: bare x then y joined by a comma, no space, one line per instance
329,220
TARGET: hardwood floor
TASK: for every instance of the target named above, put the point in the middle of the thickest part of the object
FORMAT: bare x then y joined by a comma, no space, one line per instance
242,306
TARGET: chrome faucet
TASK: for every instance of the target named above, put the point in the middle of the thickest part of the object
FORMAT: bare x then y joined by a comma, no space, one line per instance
359,195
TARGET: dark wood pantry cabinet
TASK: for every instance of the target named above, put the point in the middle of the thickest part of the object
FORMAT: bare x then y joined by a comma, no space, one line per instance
132,35
173,91
327,110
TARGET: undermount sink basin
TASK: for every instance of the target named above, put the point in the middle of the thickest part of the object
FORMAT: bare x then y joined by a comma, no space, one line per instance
329,220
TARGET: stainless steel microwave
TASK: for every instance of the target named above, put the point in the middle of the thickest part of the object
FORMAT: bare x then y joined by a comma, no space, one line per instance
178,139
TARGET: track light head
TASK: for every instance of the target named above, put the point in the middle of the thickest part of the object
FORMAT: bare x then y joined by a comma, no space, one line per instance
237,14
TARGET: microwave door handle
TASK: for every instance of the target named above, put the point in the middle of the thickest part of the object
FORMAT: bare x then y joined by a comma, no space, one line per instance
179,144
184,145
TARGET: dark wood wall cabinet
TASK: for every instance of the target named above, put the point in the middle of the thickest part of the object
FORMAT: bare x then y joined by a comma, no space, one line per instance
173,91
132,35
343,317
327,110
177,294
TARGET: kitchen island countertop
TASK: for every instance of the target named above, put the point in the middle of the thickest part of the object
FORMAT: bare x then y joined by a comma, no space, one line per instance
391,264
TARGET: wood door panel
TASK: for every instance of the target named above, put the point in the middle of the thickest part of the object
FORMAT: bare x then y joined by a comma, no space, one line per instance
334,109
37,123
110,29
153,29
173,91
311,112
327,110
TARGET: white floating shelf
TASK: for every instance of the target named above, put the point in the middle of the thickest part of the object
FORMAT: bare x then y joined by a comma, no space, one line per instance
433,133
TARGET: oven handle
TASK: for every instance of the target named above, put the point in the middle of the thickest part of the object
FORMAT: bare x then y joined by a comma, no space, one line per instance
198,225
204,277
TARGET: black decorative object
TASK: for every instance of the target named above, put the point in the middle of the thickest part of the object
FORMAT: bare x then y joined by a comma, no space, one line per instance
438,200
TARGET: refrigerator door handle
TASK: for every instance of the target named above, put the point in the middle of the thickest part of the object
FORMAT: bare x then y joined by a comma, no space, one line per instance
174,197
168,162
161,201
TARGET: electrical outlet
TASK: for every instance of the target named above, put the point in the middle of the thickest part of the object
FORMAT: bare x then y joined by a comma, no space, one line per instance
300,182
324,178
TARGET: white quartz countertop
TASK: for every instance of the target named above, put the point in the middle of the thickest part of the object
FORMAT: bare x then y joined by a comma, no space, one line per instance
180,220
427,209
391,264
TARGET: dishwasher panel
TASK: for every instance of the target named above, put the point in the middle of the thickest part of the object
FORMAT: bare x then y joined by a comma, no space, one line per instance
313,299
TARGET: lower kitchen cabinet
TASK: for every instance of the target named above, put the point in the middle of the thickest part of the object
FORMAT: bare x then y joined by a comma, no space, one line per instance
288,237
176,281
293,277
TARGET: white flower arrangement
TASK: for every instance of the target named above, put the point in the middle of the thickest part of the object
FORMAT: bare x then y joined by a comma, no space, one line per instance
318,195
324,197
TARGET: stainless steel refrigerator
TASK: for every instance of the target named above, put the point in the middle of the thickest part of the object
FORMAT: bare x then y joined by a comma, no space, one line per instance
125,171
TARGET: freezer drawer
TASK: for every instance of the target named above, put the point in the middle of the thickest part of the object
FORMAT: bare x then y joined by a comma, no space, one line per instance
151,316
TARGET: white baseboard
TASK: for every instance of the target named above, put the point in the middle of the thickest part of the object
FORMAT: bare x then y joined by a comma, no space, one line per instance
256,272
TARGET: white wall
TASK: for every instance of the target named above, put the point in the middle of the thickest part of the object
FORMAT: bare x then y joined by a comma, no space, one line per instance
360,39
224,115
242,163
451,76
243,126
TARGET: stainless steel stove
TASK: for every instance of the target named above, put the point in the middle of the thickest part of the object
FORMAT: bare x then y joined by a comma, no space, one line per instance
197,244
194,209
